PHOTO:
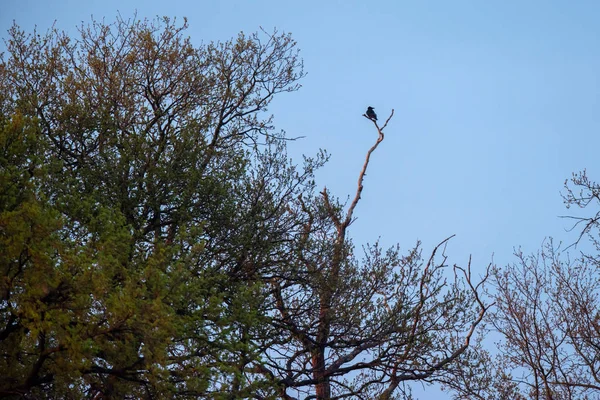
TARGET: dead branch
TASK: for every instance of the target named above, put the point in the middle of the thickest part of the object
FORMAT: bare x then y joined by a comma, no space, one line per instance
361,176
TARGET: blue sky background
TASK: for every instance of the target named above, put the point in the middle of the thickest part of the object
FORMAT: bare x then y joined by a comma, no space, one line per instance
496,105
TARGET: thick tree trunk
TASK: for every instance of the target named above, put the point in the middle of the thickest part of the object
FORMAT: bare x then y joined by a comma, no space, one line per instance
322,388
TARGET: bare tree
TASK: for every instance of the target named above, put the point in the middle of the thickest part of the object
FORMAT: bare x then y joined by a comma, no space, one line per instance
548,316
349,328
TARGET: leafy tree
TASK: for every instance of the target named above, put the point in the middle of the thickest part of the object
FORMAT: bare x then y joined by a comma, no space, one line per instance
156,240
124,206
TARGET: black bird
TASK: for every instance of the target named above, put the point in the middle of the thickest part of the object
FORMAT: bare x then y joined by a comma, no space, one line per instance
371,114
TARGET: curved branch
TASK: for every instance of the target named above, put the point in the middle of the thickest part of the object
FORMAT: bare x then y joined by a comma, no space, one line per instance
361,177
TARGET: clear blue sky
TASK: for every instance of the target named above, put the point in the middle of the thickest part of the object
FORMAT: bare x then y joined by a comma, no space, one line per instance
497,102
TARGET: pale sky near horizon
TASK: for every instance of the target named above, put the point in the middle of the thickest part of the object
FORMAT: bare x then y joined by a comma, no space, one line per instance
496,104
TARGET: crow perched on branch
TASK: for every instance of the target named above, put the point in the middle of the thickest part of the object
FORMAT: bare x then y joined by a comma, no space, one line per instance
371,114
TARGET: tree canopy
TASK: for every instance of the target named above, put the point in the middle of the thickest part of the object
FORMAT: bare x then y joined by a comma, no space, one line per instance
156,241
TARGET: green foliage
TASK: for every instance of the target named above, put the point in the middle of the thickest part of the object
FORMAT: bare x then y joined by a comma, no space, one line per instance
123,171
156,241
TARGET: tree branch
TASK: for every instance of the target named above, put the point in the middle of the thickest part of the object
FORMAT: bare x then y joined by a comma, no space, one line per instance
361,176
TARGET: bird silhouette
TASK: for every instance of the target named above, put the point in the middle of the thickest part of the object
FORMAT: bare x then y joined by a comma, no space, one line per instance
371,114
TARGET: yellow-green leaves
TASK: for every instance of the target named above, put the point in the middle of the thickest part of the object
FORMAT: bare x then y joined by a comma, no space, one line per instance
127,220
